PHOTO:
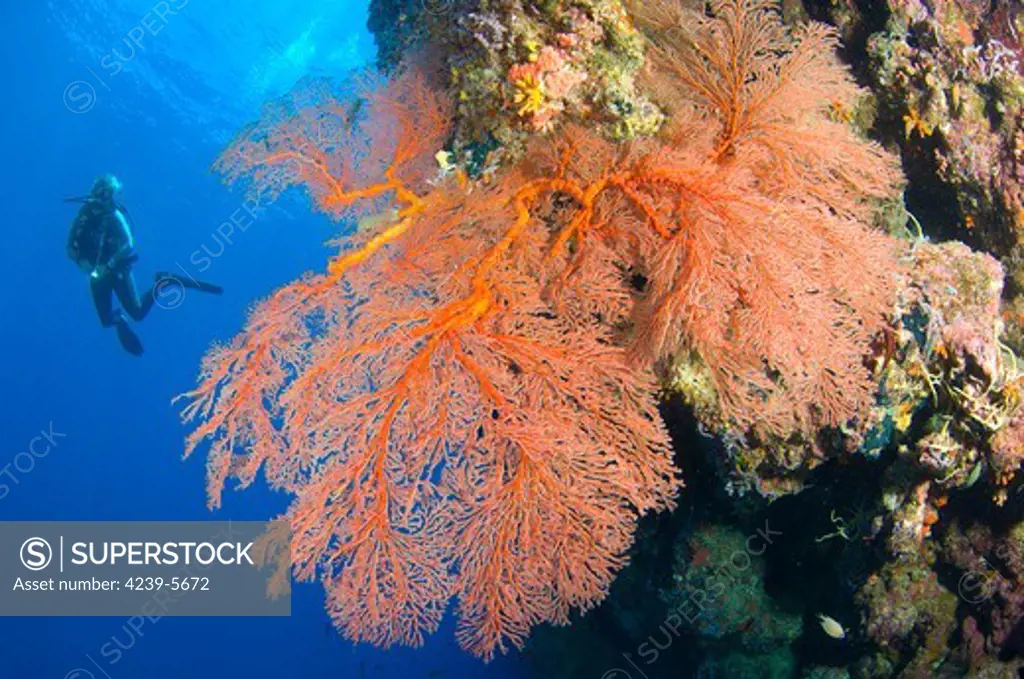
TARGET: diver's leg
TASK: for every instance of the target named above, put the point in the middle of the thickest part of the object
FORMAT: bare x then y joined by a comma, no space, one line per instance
102,289
128,293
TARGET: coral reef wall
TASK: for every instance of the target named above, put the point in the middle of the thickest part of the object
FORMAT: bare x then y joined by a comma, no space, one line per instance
572,212
950,81
517,67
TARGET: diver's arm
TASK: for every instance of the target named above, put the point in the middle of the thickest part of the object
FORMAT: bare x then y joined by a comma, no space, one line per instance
100,269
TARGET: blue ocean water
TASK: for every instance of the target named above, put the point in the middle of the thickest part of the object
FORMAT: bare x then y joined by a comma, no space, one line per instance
151,91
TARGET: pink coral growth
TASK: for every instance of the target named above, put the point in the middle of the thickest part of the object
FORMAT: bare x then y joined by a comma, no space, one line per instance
1008,448
554,76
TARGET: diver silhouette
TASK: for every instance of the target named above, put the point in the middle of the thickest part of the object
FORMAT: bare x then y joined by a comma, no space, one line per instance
102,243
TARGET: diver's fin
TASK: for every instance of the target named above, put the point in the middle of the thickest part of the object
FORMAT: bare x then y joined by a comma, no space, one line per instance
188,282
129,340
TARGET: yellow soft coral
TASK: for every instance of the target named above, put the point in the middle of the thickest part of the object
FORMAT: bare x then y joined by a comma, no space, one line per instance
532,50
529,95
913,122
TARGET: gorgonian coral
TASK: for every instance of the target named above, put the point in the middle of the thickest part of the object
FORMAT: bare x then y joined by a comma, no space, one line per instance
462,405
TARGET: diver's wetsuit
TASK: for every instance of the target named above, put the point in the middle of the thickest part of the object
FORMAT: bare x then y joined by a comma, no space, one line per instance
102,244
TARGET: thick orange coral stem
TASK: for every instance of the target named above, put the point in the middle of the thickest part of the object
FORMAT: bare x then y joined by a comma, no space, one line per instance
415,205
339,266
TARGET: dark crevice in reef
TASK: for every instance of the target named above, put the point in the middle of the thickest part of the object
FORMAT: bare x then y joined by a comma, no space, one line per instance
700,494
857,20
801,575
816,574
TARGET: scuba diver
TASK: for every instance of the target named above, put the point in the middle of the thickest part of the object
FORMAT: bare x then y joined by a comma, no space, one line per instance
102,243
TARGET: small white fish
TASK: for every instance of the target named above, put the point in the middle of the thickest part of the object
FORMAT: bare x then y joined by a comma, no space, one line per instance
831,627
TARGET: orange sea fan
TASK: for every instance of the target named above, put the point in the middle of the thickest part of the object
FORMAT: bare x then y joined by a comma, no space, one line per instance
767,91
773,273
431,416
346,146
